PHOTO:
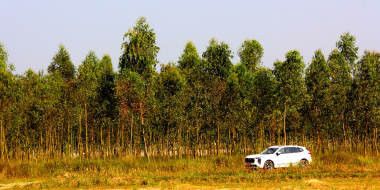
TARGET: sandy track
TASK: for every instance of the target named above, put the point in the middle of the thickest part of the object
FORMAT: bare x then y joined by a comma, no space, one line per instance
19,184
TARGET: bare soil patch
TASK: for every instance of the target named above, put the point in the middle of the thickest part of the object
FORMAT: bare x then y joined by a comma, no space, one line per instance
17,184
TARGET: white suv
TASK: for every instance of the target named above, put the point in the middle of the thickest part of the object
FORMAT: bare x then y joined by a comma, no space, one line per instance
279,156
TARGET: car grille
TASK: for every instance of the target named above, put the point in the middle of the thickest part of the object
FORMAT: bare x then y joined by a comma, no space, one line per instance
249,160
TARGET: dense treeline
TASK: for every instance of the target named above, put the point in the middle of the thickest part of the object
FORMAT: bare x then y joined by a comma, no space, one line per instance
201,105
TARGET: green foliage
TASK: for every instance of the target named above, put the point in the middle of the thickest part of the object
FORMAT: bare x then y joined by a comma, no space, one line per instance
236,105
289,77
170,81
218,59
106,89
130,90
91,59
264,91
170,91
340,70
140,50
367,101
89,75
190,57
290,88
62,64
346,46
250,53
203,106
318,90
3,57
341,83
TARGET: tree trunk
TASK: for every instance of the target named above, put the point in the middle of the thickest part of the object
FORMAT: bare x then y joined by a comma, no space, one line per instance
68,139
284,124
85,113
142,124
80,135
1,139
218,151
131,148
167,140
109,152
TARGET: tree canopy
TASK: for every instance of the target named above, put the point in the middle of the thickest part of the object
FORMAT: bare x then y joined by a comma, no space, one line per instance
62,64
200,105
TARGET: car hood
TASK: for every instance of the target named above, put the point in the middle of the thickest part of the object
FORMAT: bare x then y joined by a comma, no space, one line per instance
257,156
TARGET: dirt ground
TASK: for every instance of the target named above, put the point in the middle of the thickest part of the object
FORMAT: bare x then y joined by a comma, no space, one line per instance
17,184
327,183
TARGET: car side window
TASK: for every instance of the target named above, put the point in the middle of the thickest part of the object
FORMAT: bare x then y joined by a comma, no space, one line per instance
293,149
300,150
282,151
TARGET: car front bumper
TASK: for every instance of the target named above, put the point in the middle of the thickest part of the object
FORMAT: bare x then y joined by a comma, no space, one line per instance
253,163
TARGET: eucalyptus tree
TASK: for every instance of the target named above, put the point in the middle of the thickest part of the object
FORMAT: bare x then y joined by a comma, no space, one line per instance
190,65
106,89
170,94
217,65
367,103
34,108
346,46
290,87
62,64
107,102
250,53
318,90
237,108
3,57
130,91
88,82
8,97
263,99
139,50
341,82
51,95
190,57
140,56
218,57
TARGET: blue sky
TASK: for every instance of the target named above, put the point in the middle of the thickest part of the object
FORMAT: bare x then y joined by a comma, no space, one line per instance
32,30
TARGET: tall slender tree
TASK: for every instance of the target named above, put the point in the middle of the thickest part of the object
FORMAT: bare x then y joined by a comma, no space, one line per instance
218,59
367,102
218,65
190,57
3,57
170,93
62,64
250,53
290,86
139,49
318,90
346,46
341,82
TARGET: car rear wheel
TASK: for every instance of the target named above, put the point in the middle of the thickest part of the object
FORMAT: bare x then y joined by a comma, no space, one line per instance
268,165
304,164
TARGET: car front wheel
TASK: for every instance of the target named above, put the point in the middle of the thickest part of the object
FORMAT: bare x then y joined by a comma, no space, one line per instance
304,164
268,165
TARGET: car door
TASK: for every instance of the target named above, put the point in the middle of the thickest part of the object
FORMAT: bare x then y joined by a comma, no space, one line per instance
294,155
282,159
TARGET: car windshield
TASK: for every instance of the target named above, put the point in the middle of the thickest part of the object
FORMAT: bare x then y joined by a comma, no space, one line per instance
269,151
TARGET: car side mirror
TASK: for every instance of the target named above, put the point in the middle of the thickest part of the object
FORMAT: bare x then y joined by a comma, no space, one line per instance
278,153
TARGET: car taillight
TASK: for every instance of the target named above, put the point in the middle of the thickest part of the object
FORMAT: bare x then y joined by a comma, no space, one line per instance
309,153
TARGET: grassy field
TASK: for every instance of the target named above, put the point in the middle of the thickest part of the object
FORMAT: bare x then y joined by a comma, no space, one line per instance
329,171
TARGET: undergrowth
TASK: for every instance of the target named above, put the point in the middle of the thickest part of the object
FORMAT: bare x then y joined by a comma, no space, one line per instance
132,171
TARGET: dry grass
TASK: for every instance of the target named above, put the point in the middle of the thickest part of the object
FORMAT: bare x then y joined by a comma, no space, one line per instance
329,171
